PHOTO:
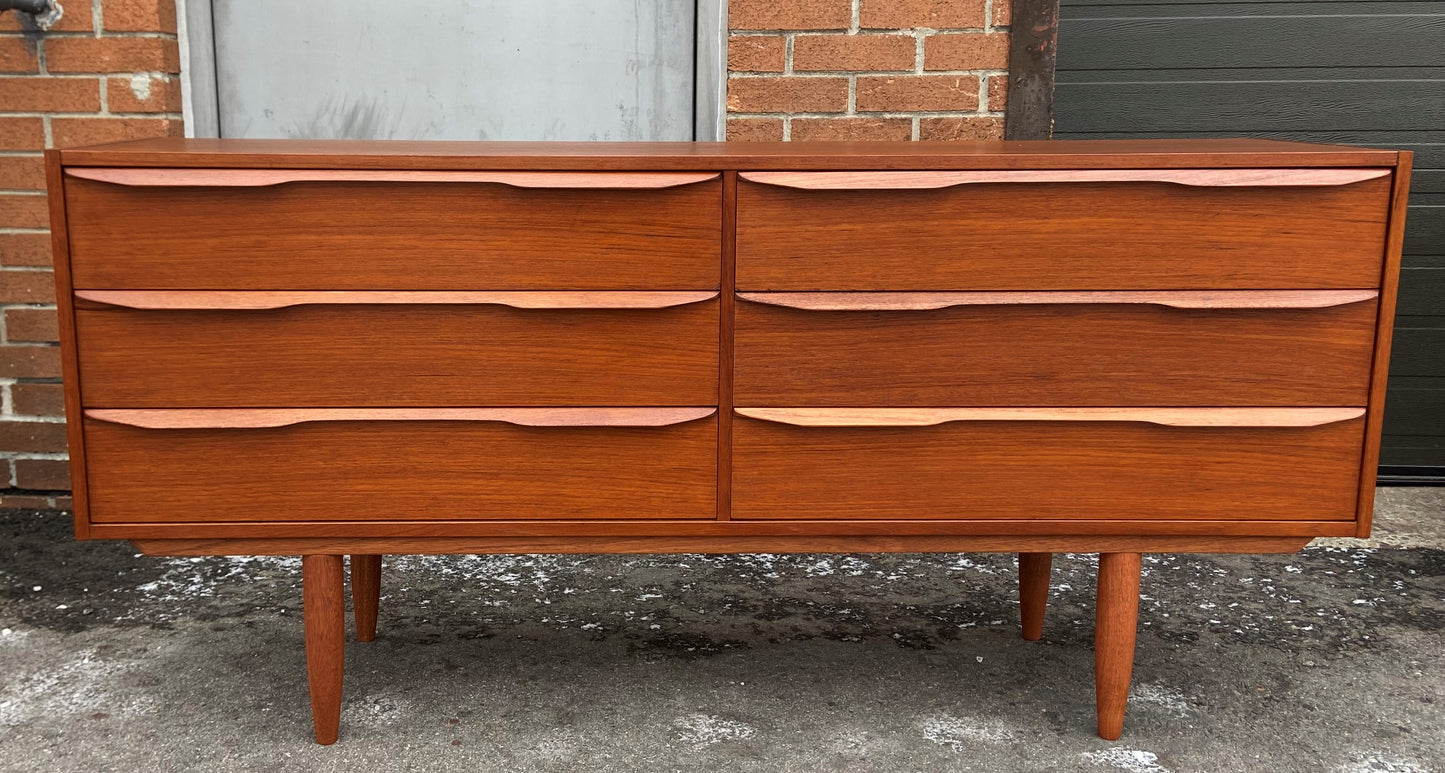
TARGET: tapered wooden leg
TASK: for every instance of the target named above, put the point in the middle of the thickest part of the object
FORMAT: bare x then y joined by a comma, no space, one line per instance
1116,620
365,594
1033,592
323,594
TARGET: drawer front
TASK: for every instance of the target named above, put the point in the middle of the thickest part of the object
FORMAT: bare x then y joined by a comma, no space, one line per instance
871,234
1126,349
391,470
974,470
398,354
437,232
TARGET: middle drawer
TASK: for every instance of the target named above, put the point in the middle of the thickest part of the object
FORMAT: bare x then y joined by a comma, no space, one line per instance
1225,348
379,349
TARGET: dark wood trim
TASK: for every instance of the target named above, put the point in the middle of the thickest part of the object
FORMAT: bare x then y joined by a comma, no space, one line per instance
858,530
70,353
1033,51
440,545
1384,330
725,347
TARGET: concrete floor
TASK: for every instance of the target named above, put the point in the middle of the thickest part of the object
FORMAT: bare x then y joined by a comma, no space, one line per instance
1329,660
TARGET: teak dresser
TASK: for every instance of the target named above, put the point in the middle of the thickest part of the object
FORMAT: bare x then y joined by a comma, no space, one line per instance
332,348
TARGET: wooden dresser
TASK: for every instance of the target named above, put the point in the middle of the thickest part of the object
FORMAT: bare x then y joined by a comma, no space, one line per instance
359,348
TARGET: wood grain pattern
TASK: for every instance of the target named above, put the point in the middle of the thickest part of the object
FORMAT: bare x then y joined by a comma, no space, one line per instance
1049,470
1210,178
258,300
252,178
365,593
1116,624
1083,236
325,620
1176,299
1167,417
1067,354
262,418
697,156
414,470
576,544
400,355
1033,593
457,528
392,236
69,361
1384,330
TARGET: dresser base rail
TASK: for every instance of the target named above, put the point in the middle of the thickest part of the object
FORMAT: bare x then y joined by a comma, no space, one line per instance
562,545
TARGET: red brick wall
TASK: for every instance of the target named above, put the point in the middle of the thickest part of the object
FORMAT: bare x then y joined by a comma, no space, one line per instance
867,69
106,70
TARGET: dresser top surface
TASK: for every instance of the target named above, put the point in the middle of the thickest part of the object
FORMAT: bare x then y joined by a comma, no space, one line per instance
1048,154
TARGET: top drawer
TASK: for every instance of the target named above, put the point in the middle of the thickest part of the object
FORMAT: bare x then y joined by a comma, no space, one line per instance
1174,229
302,229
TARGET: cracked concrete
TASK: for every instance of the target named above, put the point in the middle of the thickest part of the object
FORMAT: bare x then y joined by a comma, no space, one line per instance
1329,660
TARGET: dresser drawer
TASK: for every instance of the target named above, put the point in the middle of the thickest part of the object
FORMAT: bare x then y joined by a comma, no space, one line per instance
1066,230
1055,348
421,464
356,230
163,349
1016,464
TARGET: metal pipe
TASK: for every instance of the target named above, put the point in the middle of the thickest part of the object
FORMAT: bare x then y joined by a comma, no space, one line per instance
35,7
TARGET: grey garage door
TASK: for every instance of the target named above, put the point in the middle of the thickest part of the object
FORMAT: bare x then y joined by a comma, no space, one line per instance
1357,72
452,70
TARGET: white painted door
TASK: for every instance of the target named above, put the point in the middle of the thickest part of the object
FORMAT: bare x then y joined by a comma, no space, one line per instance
449,69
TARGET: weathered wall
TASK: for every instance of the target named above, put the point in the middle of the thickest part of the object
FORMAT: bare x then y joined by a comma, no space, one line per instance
106,70
867,69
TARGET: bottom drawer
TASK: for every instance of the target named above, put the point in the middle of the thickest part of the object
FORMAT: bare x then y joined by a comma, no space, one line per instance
905,467
422,464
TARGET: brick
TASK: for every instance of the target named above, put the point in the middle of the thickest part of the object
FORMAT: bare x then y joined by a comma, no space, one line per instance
933,14
75,17
38,399
756,53
33,436
964,51
32,325
22,134
143,93
997,93
50,95
69,132
19,55
962,128
29,362
790,14
42,474
1002,13
24,501
22,173
918,92
139,16
62,502
755,129
18,210
112,55
851,128
787,95
25,249
27,287
854,52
